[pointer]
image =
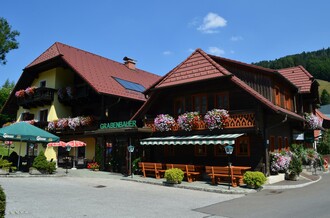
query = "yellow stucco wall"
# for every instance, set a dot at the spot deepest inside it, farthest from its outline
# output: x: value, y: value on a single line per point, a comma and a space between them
x: 55, y: 78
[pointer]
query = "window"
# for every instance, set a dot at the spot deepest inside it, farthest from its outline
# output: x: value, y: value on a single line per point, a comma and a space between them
x: 242, y: 146
x: 286, y: 143
x: 43, y: 115
x: 200, y: 150
x: 219, y: 150
x: 200, y: 103
x: 222, y: 100
x: 32, y: 149
x: 179, y: 106
x: 27, y: 116
x: 130, y: 85
x: 287, y: 101
x: 279, y: 143
x: 277, y: 96
x: 272, y: 144
x: 81, y: 151
x: 168, y: 150
x: 43, y: 83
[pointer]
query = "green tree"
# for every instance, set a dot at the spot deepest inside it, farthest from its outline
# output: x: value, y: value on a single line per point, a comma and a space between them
x: 323, y: 147
x: 5, y: 91
x: 325, y: 97
x: 7, y: 39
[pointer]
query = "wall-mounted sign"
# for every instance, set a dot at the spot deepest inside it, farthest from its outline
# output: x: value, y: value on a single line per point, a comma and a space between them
x: 120, y: 124
x: 309, y: 136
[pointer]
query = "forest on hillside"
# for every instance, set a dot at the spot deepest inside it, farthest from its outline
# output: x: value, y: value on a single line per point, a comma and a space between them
x: 316, y: 63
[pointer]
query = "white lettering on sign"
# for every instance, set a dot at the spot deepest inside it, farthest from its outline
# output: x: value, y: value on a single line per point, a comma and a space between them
x: 5, y: 135
x: 39, y: 138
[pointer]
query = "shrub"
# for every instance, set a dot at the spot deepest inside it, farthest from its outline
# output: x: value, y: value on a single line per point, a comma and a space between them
x: 298, y: 149
x: 174, y: 175
x: 41, y: 163
x: 254, y: 179
x: 6, y: 165
x: 295, y: 167
x: 2, y: 203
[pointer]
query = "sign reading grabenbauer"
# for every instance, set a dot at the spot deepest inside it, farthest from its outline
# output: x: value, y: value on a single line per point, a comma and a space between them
x: 120, y: 124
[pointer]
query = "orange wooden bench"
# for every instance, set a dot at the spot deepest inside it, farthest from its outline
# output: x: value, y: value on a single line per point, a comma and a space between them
x: 234, y: 174
x: 155, y: 168
x: 189, y: 170
x: 217, y: 172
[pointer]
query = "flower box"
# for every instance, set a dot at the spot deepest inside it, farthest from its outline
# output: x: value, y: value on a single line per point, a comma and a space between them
x: 216, y: 119
x: 164, y: 122
x: 189, y: 121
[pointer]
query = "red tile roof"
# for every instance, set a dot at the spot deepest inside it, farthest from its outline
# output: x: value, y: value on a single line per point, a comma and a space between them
x: 99, y: 71
x: 300, y: 77
x: 200, y: 66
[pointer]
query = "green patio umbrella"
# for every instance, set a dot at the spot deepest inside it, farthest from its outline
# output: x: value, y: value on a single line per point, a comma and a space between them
x: 24, y: 132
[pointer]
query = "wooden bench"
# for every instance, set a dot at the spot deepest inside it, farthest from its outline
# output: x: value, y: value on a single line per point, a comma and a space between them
x: 217, y: 172
x: 189, y: 170
x: 155, y: 168
x: 234, y: 174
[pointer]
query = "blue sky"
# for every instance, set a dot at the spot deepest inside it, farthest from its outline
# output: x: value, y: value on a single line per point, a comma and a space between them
x: 161, y: 34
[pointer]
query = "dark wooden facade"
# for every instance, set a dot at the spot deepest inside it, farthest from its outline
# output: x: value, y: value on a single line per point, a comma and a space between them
x: 262, y: 104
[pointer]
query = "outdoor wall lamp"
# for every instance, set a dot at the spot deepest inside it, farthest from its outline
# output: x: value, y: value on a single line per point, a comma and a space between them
x: 229, y: 150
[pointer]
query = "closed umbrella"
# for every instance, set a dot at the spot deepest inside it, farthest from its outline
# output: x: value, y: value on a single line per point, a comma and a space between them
x: 57, y: 144
x: 74, y: 144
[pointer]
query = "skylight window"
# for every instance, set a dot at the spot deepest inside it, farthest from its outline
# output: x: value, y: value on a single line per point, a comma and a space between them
x: 130, y: 85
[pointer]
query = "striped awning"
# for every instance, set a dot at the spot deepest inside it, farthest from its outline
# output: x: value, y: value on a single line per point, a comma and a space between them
x: 192, y: 140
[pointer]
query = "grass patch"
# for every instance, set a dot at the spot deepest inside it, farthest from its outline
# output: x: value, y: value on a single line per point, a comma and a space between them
x: 323, y: 85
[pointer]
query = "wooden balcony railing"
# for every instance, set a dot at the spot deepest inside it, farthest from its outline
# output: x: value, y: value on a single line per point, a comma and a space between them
x: 42, y: 96
x: 78, y: 95
x: 236, y: 120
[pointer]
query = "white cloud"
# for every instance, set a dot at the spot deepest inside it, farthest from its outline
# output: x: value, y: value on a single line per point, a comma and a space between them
x: 190, y: 50
x: 215, y: 51
x: 211, y: 22
x: 167, y: 52
x: 236, y: 38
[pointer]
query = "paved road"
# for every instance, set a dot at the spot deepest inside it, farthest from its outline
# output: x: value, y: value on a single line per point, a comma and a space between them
x: 307, y: 202
x: 64, y: 197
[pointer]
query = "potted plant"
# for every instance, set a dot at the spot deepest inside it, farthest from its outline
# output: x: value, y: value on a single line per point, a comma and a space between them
x: 189, y: 120
x: 279, y: 162
x: 216, y: 118
x: 164, y: 122
x: 174, y: 176
x: 295, y: 168
x: 254, y: 179
x: 93, y: 166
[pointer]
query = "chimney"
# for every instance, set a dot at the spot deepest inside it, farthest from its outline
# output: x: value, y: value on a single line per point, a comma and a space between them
x: 129, y: 62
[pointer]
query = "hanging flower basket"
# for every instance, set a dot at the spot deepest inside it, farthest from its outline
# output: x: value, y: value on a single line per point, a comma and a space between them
x: 164, y: 122
x: 188, y: 121
x: 216, y: 118
x: 312, y: 121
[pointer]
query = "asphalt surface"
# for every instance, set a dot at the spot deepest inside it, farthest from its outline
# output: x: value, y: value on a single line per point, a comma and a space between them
x: 84, y: 193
